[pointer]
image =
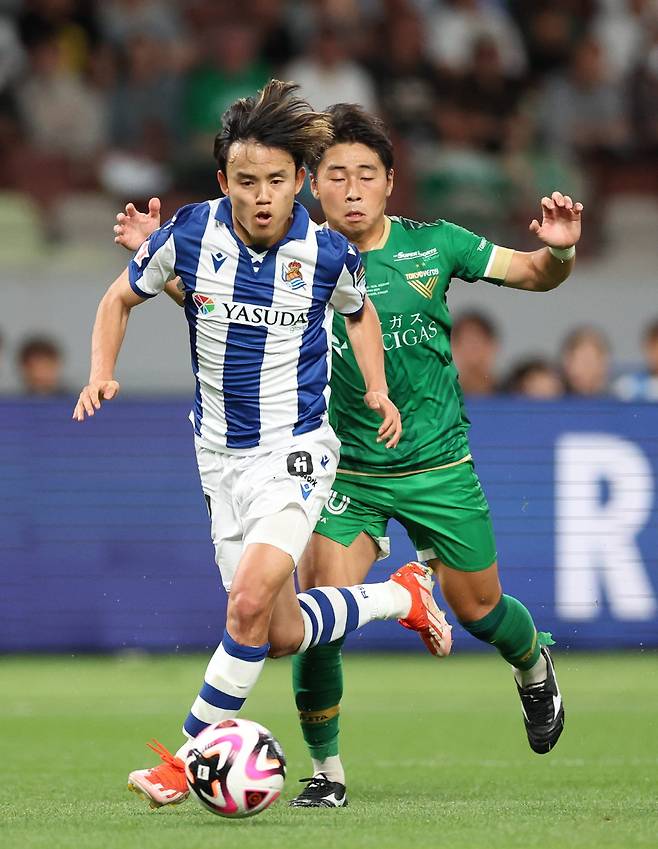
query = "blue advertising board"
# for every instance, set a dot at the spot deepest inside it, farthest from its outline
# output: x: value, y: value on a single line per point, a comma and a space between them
x: 104, y: 537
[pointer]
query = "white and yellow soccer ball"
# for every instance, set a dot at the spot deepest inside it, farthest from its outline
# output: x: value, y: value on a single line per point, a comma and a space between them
x: 235, y: 768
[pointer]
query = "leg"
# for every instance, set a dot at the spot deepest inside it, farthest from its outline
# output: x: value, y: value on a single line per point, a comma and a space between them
x: 502, y: 621
x: 448, y: 518
x: 318, y: 673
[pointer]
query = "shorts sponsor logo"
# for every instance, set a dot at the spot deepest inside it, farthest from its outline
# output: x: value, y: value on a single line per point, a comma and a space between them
x: 337, y: 503
x: 300, y: 463
x: 306, y: 488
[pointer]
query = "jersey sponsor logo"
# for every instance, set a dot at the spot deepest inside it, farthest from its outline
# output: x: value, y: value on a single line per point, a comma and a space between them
x: 218, y: 260
x: 402, y: 256
x: 249, y: 314
x: 410, y: 336
x: 292, y: 275
x: 482, y: 245
x: 423, y: 281
x: 142, y: 253
x: 337, y: 503
x: 205, y: 305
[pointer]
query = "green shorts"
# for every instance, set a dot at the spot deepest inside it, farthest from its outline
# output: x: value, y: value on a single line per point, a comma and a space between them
x: 444, y: 511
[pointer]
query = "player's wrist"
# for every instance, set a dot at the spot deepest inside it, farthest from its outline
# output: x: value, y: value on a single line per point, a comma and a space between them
x: 563, y: 254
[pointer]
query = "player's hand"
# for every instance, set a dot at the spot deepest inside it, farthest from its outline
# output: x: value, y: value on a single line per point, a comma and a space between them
x: 133, y: 227
x: 560, y: 226
x: 91, y: 397
x: 391, y: 426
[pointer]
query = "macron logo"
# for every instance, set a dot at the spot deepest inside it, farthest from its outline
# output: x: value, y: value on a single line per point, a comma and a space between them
x: 218, y: 260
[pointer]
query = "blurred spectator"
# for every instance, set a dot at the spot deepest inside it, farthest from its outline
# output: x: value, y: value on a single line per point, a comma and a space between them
x: 642, y: 385
x: 406, y: 79
x: 644, y: 95
x: 456, y: 26
x: 327, y: 72
x: 549, y: 34
x: 230, y: 67
x: 61, y: 113
x: 71, y: 23
x: 582, y: 110
x: 145, y: 106
x: 585, y: 357
x: 621, y: 29
x: 535, y: 377
x: 490, y: 95
x: 40, y: 361
x: 474, y: 341
x: 123, y: 20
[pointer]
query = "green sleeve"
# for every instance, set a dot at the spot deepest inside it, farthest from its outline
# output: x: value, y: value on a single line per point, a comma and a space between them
x: 470, y: 254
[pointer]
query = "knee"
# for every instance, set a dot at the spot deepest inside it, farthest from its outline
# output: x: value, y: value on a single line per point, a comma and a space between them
x: 245, y: 608
x: 473, y: 608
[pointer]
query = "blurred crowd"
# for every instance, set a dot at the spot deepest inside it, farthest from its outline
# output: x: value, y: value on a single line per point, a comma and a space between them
x: 582, y: 367
x: 492, y: 103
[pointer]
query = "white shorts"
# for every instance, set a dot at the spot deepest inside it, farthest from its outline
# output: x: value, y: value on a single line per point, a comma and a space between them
x: 273, y: 497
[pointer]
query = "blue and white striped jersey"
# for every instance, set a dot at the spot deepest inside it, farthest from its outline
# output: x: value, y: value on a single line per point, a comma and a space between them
x: 260, y: 324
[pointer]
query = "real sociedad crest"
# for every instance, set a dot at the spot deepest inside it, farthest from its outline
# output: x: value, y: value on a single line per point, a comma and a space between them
x: 292, y: 275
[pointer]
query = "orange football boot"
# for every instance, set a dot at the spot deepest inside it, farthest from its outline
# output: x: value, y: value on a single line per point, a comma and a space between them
x: 160, y: 785
x: 425, y: 616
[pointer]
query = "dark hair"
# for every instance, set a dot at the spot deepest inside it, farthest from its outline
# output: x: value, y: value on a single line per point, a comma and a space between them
x: 276, y: 117
x: 479, y: 319
x: 38, y: 346
x: 525, y: 369
x: 351, y: 124
x: 651, y: 332
x: 582, y: 334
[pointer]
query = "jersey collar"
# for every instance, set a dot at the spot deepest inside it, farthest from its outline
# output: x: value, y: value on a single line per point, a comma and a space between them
x: 297, y: 229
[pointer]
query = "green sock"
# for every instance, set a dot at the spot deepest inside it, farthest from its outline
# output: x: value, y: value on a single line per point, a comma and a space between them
x: 317, y: 679
x: 509, y: 627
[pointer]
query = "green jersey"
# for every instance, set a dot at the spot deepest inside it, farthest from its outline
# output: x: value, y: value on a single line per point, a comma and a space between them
x: 407, y: 280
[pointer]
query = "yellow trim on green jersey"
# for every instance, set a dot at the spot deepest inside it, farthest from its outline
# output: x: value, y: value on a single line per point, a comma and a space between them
x: 404, y: 474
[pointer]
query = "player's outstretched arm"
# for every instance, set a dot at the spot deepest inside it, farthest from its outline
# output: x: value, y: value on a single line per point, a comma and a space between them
x: 365, y: 336
x: 543, y: 270
x: 109, y: 329
x: 133, y: 227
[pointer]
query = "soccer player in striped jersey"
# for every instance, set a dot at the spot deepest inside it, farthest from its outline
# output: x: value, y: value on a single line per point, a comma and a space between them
x: 261, y: 283
x: 428, y: 482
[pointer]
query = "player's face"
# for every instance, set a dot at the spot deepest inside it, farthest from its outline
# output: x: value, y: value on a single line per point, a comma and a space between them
x: 262, y: 183
x: 353, y: 186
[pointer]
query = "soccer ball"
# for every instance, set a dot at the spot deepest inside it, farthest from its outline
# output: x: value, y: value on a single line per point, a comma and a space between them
x: 235, y: 768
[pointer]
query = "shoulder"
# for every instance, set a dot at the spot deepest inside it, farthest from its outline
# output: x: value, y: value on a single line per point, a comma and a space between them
x: 190, y: 214
x: 333, y: 245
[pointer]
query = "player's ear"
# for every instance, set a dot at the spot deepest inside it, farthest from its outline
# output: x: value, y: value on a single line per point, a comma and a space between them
x: 314, y: 186
x: 300, y: 176
x: 223, y: 182
x: 390, y: 178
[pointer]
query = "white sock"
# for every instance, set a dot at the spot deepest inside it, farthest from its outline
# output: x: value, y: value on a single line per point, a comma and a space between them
x: 331, y: 612
x: 331, y: 767
x: 231, y: 674
x: 535, y: 675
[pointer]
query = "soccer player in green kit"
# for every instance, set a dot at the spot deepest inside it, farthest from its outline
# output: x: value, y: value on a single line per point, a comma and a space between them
x: 427, y: 482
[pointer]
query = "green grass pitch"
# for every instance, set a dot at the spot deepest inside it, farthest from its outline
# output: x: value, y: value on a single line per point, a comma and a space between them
x: 435, y: 751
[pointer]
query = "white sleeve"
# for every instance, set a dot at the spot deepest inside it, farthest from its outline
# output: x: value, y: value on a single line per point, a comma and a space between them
x: 153, y: 264
x: 350, y: 290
